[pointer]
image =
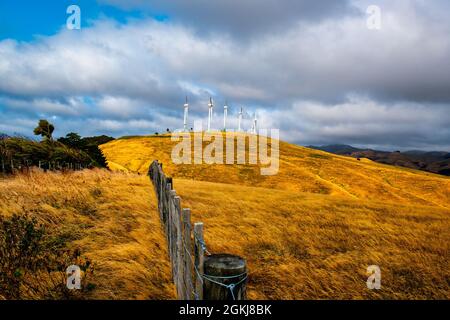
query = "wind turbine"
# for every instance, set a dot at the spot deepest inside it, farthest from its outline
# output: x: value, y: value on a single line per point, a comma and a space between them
x: 254, y: 128
x: 210, y: 113
x: 225, y: 115
x: 240, y: 119
x: 186, y: 111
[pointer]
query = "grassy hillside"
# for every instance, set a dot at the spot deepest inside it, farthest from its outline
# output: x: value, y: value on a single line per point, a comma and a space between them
x: 110, y: 217
x: 301, y: 170
x: 313, y: 246
x: 311, y: 231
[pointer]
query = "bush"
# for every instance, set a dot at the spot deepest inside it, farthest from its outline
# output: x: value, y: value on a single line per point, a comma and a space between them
x: 89, y: 145
x: 25, y: 152
x: 32, y: 266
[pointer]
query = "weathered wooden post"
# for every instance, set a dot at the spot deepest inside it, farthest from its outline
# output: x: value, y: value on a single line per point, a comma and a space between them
x: 170, y: 229
x: 225, y: 277
x: 214, y: 277
x: 166, y: 211
x: 199, y: 253
x: 187, y: 253
x: 178, y: 246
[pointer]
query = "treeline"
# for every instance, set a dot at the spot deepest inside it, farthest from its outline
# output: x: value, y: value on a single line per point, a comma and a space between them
x: 69, y: 152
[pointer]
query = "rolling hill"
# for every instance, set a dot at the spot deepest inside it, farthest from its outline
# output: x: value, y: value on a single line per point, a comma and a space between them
x: 433, y: 161
x: 301, y: 170
x: 310, y: 231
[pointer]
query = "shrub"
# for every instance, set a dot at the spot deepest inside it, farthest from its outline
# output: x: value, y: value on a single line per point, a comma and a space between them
x: 32, y: 266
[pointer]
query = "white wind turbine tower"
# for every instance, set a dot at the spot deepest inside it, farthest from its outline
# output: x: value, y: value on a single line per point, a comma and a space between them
x: 225, y: 115
x: 240, y: 119
x: 186, y: 111
x: 255, y: 121
x: 210, y: 113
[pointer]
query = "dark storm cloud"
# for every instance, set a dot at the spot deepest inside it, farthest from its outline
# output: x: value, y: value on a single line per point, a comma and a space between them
x: 360, y: 121
x: 241, y: 18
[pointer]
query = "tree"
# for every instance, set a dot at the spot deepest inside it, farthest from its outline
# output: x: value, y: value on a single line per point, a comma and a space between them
x: 72, y: 140
x: 44, y: 129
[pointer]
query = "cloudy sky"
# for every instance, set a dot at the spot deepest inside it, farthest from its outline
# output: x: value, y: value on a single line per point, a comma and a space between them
x: 313, y: 69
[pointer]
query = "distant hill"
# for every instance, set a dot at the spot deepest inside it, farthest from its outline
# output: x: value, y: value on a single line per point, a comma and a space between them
x: 3, y: 136
x: 431, y: 161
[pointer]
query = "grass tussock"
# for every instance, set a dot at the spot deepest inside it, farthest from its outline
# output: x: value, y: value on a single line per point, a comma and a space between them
x: 110, y: 217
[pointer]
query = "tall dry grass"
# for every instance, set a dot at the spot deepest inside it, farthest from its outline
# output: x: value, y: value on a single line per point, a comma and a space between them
x: 306, y: 246
x: 111, y: 217
x: 311, y: 231
x: 308, y: 233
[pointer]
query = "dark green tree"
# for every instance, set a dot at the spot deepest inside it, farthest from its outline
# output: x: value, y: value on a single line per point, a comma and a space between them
x: 72, y: 140
x: 44, y: 129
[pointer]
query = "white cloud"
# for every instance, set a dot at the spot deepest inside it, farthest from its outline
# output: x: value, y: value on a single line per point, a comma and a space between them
x: 133, y: 78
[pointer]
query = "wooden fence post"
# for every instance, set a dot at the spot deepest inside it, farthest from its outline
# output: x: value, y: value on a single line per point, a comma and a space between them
x: 199, y: 252
x: 166, y: 209
x: 178, y: 246
x: 225, y: 277
x: 168, y: 187
x: 216, y: 277
x: 171, y: 227
x: 187, y: 254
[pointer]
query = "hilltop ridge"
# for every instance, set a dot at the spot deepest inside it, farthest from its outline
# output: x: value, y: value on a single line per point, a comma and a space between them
x: 310, y: 231
x: 301, y: 170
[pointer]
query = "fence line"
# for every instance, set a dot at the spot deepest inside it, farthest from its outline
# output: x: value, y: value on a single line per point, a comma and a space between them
x: 197, y: 274
x: 8, y: 166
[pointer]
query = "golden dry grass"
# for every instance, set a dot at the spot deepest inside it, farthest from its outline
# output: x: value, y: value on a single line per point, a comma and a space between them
x: 311, y: 231
x: 312, y: 246
x: 301, y: 170
x: 111, y: 217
